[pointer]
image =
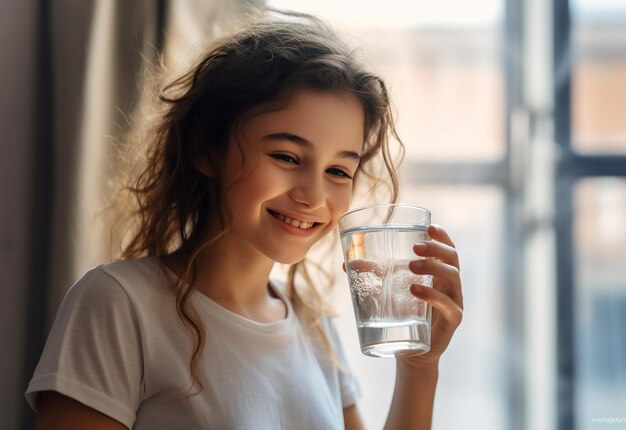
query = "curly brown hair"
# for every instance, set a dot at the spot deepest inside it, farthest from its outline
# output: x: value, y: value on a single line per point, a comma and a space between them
x: 166, y: 201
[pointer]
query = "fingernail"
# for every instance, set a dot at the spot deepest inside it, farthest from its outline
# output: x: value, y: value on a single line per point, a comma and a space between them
x: 416, y: 264
x: 419, y: 247
x: 417, y: 288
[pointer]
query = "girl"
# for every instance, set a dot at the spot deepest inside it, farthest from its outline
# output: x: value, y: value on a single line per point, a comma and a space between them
x: 254, y: 158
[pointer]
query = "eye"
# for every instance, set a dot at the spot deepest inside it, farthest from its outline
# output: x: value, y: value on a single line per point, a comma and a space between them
x: 339, y: 173
x: 284, y: 157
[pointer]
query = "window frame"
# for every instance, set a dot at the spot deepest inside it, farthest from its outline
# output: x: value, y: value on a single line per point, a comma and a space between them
x: 571, y: 167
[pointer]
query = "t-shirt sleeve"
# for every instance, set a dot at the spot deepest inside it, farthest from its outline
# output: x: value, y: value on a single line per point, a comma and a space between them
x: 93, y: 353
x: 348, y: 383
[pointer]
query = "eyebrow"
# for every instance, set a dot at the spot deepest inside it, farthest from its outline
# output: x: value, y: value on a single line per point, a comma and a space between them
x: 301, y: 141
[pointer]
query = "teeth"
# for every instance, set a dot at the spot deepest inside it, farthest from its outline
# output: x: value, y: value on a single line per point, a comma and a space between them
x: 294, y: 222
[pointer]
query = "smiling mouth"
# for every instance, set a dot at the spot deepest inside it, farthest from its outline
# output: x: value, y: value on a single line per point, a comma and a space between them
x: 302, y: 225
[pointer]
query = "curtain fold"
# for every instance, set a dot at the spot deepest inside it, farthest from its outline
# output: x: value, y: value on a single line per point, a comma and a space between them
x: 82, y: 63
x: 88, y: 55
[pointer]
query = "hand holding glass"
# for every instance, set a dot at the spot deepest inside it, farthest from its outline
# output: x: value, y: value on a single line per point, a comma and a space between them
x: 377, y: 244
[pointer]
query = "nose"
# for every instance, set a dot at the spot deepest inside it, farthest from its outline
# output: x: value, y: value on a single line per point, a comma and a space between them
x: 309, y: 191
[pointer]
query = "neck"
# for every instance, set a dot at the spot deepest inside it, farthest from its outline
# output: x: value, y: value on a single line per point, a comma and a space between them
x: 229, y: 274
x: 233, y: 276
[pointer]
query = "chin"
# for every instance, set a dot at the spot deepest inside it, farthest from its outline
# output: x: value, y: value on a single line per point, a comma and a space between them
x: 289, y: 259
x: 283, y: 256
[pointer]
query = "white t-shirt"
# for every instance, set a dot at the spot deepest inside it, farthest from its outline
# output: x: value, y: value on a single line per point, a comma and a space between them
x: 118, y: 346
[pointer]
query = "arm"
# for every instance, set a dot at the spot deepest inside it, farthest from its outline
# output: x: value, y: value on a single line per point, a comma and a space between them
x: 352, y: 418
x: 413, y: 398
x: 93, y: 354
x: 416, y: 376
x: 411, y: 406
x: 56, y: 412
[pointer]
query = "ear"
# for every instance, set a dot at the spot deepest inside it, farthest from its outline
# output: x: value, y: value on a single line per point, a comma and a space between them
x: 202, y: 163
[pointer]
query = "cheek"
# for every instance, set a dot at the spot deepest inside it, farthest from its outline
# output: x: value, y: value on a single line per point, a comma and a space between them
x: 253, y: 187
x: 264, y: 182
x: 340, y: 201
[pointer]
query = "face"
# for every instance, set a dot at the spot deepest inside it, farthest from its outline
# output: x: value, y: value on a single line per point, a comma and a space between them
x: 296, y: 177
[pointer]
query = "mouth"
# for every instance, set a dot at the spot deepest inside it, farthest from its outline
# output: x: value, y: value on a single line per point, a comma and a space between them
x: 302, y: 225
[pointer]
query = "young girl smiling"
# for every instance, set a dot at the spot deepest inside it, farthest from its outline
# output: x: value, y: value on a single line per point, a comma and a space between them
x: 255, y: 156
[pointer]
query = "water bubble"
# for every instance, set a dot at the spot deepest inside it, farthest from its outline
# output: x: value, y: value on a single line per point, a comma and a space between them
x: 365, y: 285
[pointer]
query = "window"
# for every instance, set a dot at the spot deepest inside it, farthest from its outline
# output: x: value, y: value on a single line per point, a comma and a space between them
x: 514, y: 119
x: 600, y: 298
x: 591, y: 132
x: 445, y: 67
x: 598, y: 70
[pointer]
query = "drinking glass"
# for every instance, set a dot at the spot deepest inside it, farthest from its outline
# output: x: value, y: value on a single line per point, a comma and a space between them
x: 377, y: 243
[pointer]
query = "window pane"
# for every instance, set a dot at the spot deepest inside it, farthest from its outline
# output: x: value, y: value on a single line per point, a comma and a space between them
x: 472, y: 382
x: 600, y: 282
x: 442, y: 63
x: 477, y: 396
x: 447, y: 88
x: 598, y: 76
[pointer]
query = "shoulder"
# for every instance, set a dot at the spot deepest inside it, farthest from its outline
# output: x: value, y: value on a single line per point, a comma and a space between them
x: 135, y: 272
x: 132, y: 280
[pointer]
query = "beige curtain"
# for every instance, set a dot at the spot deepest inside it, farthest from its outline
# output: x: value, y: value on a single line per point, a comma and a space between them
x: 69, y: 79
x: 123, y: 41
x: 122, y: 44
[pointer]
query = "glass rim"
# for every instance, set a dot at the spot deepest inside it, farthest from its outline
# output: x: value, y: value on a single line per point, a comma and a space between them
x: 383, y: 205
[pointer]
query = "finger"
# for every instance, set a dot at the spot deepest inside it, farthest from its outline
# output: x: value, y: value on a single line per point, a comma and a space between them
x: 449, y: 274
x: 439, y: 233
x: 448, y: 308
x: 439, y: 269
x: 439, y: 250
x: 363, y: 265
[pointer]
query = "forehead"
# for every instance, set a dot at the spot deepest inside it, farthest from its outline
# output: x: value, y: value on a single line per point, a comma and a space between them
x: 333, y: 120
